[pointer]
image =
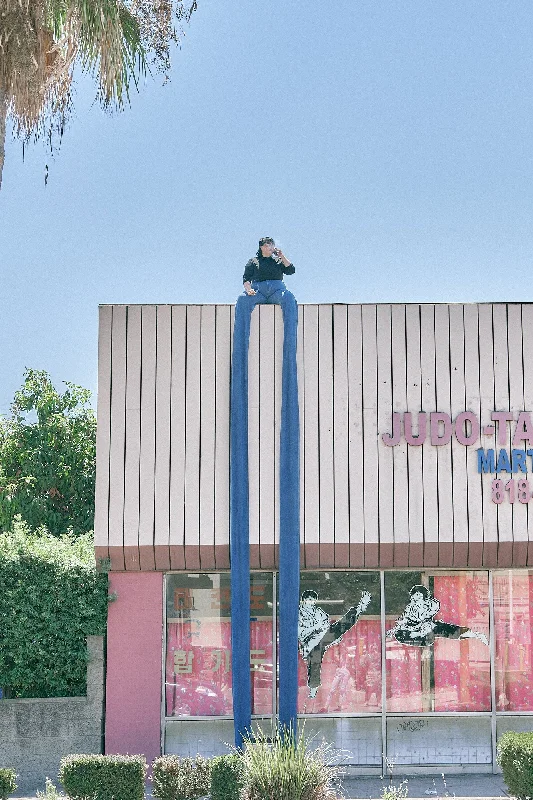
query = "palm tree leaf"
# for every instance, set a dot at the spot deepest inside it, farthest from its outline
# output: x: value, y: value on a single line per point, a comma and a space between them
x: 110, y: 46
x: 41, y: 41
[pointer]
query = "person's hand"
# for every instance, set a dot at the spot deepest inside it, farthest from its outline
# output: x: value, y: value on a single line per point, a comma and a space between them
x: 248, y: 288
x: 283, y: 258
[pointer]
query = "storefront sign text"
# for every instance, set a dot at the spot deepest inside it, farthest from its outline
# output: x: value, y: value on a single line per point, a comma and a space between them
x: 512, y: 431
x: 439, y: 428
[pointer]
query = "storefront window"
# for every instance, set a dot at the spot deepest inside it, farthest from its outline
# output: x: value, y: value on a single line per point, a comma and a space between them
x: 513, y: 618
x: 438, y: 654
x: 261, y: 649
x: 438, y: 660
x: 198, y: 652
x: 437, y: 643
x: 339, y: 637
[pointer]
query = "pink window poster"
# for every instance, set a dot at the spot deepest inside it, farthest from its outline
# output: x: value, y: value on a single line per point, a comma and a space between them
x: 462, y: 665
x: 198, y: 668
x: 404, y: 677
x: 513, y: 618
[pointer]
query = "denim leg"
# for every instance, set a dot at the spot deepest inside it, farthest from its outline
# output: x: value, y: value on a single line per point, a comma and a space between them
x: 289, y: 507
x: 239, y: 520
x: 289, y: 514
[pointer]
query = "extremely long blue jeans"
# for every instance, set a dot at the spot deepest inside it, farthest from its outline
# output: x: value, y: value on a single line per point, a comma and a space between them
x: 269, y: 292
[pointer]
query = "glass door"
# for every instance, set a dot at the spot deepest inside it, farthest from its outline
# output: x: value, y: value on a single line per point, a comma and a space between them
x: 340, y: 662
x: 438, y: 678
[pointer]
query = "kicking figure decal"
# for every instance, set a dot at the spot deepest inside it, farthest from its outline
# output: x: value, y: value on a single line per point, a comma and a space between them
x: 418, y: 627
x: 316, y: 633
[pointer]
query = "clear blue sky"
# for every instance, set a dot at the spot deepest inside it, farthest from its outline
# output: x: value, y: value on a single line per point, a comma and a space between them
x: 386, y: 145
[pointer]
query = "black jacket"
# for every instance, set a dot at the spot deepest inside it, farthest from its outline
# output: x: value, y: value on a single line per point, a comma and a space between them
x: 266, y: 269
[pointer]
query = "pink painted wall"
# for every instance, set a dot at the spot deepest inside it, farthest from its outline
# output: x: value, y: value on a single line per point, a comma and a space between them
x: 134, y: 652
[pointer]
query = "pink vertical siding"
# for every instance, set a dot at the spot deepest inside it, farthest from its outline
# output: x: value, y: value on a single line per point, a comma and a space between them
x: 162, y: 493
x: 134, y: 646
x: 309, y: 503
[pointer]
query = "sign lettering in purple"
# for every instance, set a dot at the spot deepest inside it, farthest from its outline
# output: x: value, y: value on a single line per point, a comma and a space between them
x: 438, y: 428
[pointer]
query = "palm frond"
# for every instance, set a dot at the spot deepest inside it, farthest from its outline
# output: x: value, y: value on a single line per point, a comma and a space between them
x: 162, y: 24
x: 27, y: 60
x: 110, y: 46
x: 41, y: 41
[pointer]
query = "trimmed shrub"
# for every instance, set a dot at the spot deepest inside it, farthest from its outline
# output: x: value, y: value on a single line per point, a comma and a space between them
x: 52, y: 598
x: 288, y: 768
x: 176, y: 778
x: 515, y: 757
x: 8, y: 782
x: 97, y: 777
x: 226, y: 777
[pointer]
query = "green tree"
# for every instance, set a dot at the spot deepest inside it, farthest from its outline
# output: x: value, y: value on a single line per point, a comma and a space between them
x: 42, y: 42
x: 48, y: 457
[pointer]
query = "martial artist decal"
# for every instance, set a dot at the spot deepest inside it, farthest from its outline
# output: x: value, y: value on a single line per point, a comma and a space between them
x: 418, y: 627
x: 316, y: 632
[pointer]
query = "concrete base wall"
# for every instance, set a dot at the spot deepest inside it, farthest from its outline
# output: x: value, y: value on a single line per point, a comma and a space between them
x: 36, y: 733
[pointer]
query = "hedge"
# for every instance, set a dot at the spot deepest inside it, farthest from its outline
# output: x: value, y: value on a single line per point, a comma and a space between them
x: 8, y: 782
x: 515, y: 757
x: 176, y: 778
x: 103, y: 777
x: 52, y: 598
x: 226, y: 777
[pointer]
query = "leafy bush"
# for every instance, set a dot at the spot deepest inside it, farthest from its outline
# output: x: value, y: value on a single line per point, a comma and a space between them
x: 52, y: 598
x: 176, y: 778
x: 96, y: 777
x: 288, y: 768
x: 226, y: 777
x: 515, y: 757
x: 8, y: 782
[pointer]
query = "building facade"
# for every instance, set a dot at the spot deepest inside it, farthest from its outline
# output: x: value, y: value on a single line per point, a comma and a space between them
x: 416, y: 580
